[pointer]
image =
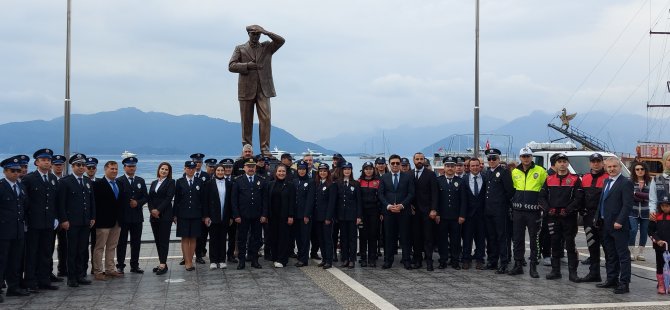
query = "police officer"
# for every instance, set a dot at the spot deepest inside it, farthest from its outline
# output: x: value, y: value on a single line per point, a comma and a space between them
x: 227, y: 164
x: 91, y: 169
x: 287, y: 160
x: 210, y: 166
x: 41, y: 220
x: 189, y: 204
x: 238, y: 166
x: 450, y: 214
x: 380, y: 166
x: 131, y: 216
x: 12, y: 198
x: 201, y: 241
x: 499, y: 193
x: 76, y: 212
x: 561, y: 197
x: 58, y: 169
x: 460, y: 167
x: 404, y: 165
x: 304, y: 201
x: 250, y: 209
x: 528, y: 179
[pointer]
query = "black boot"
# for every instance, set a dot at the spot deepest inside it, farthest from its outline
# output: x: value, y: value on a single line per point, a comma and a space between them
x: 591, y: 277
x: 572, y: 268
x: 517, y: 269
x: 533, y: 271
x: 555, y: 269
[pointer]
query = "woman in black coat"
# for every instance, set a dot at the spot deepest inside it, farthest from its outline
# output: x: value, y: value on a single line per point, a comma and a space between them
x: 189, y: 202
x: 218, y: 216
x: 281, y: 210
x: 161, y: 193
x: 325, y: 194
x: 348, y: 214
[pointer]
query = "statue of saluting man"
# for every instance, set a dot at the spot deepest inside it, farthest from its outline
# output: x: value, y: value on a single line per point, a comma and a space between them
x: 253, y: 61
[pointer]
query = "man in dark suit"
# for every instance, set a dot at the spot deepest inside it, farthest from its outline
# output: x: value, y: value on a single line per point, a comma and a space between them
x: 253, y: 62
x: 396, y: 191
x: 136, y: 195
x: 76, y: 213
x: 425, y: 209
x: 250, y: 209
x: 450, y: 214
x: 474, y: 228
x: 499, y: 194
x: 228, y: 170
x: 613, y: 210
x: 40, y: 218
x: 110, y: 199
x: 12, y: 225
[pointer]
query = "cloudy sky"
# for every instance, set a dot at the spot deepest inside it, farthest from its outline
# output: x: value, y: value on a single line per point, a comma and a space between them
x: 346, y: 65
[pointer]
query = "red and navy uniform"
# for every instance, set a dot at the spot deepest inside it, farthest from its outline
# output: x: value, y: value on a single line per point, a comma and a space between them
x: 592, y: 185
x: 560, y: 197
x: 660, y: 230
x: 369, y: 228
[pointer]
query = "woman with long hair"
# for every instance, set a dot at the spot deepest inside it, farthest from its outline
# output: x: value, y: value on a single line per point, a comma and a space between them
x: 161, y: 193
x: 348, y: 214
x: 281, y: 210
x: 325, y: 194
x: 639, y: 213
x: 370, y: 217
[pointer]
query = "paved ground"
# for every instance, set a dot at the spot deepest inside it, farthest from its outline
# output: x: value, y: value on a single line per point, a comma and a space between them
x: 359, y: 288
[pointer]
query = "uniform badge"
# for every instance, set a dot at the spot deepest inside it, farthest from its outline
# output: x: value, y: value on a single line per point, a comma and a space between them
x: 568, y: 181
x: 88, y: 185
x: 139, y: 185
x: 498, y: 174
x: 535, y: 175
x: 53, y: 182
x: 306, y: 184
x: 455, y: 184
x: 204, y: 179
x: 352, y: 188
x: 324, y: 188
x: 258, y: 183
x: 197, y: 187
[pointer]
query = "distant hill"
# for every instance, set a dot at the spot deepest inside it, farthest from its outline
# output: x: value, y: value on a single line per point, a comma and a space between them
x: 142, y: 133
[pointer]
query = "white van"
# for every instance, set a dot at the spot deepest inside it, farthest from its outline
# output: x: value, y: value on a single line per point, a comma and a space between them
x: 579, y: 160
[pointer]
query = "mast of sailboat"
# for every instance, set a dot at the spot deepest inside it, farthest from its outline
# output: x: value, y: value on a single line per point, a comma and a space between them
x: 476, y: 130
x: 66, y: 135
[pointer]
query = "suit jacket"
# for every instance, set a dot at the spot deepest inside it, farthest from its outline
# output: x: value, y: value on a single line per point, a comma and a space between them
x: 189, y: 201
x: 40, y: 202
x: 425, y: 191
x: 213, y: 202
x: 108, y: 207
x: 287, y: 208
x: 137, y: 191
x: 499, y: 191
x: 403, y: 194
x: 450, y: 203
x: 12, y: 212
x: 616, y: 203
x: 304, y: 197
x: 161, y: 200
x: 349, y: 203
x: 249, y: 80
x: 474, y: 204
x: 249, y: 201
x: 325, y: 198
x: 75, y: 203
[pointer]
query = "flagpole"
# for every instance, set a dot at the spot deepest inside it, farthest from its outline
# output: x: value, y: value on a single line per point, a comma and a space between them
x: 476, y: 129
x: 66, y: 129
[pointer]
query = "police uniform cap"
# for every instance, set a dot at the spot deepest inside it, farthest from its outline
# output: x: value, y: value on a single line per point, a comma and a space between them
x: 260, y: 157
x: 525, y: 151
x: 347, y: 165
x: 492, y: 152
x: 197, y: 157
x: 324, y: 166
x: 426, y: 162
x: 43, y: 153
x: 559, y: 156
x: 58, y: 159
x: 338, y: 156
x: 449, y: 160
x: 226, y: 162
x: 23, y: 159
x: 367, y: 164
x: 11, y: 163
x: 130, y: 161
x: 665, y: 199
x: 460, y: 160
x: 595, y: 157
x: 211, y: 162
x: 301, y: 165
x: 380, y: 160
x: 249, y: 162
x: 189, y: 164
x: 287, y: 156
x: 77, y: 159
x: 404, y: 161
x: 91, y: 162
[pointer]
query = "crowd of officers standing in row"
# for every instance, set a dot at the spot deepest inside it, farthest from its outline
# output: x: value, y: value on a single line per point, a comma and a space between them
x: 300, y: 208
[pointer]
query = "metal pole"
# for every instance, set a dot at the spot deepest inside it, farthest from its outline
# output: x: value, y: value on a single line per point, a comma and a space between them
x: 66, y: 135
x: 476, y: 135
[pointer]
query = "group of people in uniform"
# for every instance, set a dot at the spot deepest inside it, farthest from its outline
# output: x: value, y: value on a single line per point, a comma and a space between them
x: 306, y: 210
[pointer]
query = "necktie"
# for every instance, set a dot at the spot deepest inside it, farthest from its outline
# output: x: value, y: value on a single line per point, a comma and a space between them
x: 16, y: 190
x: 602, y: 198
x: 476, y: 186
x: 251, y: 180
x: 417, y: 174
x: 115, y: 189
x: 81, y: 181
x: 190, y: 183
x: 395, y: 181
x: 132, y: 180
x: 448, y: 181
x: 45, y: 178
x: 608, y: 187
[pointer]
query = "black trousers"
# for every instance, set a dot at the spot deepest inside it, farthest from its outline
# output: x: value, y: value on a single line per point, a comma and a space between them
x: 659, y: 259
x: 474, y: 230
x: 314, y: 238
x: 348, y: 240
x: 422, y: 236
x: 201, y: 241
x: 523, y: 220
x: 497, y: 239
x: 92, y: 239
x: 77, y: 251
x: 232, y: 238
x: 368, y: 234
x: 161, y: 231
x: 10, y: 262
x: 396, y: 224
x: 39, y: 250
x: 217, y: 242
x: 135, y: 231
x: 335, y: 237
x: 563, y: 231
x: 593, y: 241
x: 617, y: 254
x: 278, y: 237
x: 248, y: 233
x: 449, y: 240
x: 544, y: 239
x: 324, y: 233
x: 304, y: 234
x: 61, y: 235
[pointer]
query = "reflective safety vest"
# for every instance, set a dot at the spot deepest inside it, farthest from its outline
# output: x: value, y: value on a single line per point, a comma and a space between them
x: 528, y: 185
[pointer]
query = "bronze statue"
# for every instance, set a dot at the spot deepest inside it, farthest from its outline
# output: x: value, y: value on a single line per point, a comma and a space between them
x: 253, y: 61
x: 566, y: 118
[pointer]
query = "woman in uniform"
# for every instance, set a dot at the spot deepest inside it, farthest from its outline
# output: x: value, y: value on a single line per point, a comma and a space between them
x: 188, y: 211
x: 370, y: 217
x: 161, y: 193
x: 281, y: 210
x: 348, y: 214
x: 325, y: 194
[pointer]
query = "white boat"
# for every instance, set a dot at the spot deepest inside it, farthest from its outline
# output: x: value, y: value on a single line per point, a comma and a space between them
x: 127, y: 154
x: 318, y: 156
x: 277, y: 153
